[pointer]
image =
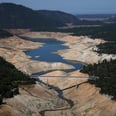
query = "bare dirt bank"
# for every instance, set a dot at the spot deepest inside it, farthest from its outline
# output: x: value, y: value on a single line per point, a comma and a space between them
x: 81, y: 48
x: 35, y: 100
x: 12, y: 50
x: 38, y: 99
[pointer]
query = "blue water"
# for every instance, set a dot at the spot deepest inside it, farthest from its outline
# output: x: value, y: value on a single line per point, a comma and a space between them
x: 46, y: 52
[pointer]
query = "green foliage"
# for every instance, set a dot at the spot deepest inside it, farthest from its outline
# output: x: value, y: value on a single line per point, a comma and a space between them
x: 108, y: 48
x: 10, y: 79
x: 107, y: 32
x: 106, y: 71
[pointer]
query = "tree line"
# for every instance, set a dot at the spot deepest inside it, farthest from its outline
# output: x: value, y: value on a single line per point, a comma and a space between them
x: 106, y: 71
x: 10, y: 79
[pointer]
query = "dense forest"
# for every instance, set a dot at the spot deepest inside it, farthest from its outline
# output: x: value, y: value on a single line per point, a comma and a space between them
x: 106, y: 71
x: 106, y: 32
x: 108, y: 48
x: 4, y: 34
x: 10, y: 79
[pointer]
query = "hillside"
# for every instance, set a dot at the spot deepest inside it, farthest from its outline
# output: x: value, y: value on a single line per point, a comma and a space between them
x: 10, y: 79
x: 107, y: 76
x: 59, y: 16
x: 18, y: 16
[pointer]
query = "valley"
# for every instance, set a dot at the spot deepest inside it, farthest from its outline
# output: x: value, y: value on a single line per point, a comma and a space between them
x: 53, y: 63
x: 52, y: 95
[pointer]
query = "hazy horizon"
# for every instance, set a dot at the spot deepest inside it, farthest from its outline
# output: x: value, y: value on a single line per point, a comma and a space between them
x: 74, y: 7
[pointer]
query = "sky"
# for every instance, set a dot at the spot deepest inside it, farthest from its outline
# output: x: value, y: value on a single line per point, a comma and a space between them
x: 71, y: 6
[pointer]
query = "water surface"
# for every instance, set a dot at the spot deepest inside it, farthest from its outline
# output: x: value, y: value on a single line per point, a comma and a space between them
x: 46, y: 54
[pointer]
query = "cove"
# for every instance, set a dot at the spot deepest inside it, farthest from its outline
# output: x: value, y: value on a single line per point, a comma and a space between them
x: 46, y: 54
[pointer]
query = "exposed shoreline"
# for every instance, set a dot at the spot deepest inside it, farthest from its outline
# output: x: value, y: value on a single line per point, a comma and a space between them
x: 12, y: 49
x: 81, y: 48
x: 42, y: 99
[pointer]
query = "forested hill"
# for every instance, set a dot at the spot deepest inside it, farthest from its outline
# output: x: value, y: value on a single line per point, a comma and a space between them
x: 10, y: 79
x: 59, y: 16
x: 18, y: 16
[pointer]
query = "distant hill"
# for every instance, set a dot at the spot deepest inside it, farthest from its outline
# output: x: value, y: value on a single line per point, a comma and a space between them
x: 18, y: 16
x: 59, y: 16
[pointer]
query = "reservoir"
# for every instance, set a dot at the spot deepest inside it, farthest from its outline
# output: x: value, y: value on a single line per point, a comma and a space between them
x: 46, y: 53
